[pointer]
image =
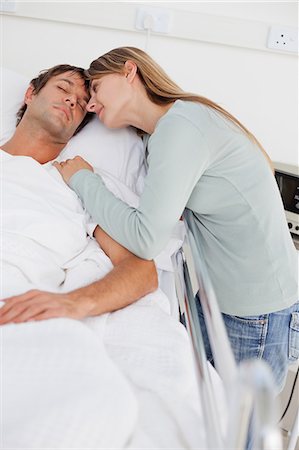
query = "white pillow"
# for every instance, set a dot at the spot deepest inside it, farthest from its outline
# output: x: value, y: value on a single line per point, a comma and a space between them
x: 13, y: 87
x: 119, y: 152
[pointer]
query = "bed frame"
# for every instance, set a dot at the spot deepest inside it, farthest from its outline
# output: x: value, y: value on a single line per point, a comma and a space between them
x: 249, y: 388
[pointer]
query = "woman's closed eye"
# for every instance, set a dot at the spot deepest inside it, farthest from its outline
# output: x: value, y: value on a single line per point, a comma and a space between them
x: 94, y: 87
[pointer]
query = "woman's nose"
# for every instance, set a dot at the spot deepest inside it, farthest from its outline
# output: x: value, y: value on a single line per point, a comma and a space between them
x: 90, y: 107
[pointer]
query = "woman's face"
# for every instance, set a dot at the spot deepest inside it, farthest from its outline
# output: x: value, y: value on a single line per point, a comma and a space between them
x: 110, y: 97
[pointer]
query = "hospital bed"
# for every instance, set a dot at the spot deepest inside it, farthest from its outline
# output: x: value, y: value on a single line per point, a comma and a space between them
x: 134, y: 378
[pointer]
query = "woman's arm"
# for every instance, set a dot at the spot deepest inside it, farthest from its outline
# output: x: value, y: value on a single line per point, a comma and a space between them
x: 178, y: 155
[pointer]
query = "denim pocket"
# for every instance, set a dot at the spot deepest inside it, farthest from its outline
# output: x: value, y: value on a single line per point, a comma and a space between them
x: 247, y: 335
x: 294, y: 337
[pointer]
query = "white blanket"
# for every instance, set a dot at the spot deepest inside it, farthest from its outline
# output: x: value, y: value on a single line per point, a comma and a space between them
x: 122, y: 380
x: 43, y: 228
x: 61, y: 389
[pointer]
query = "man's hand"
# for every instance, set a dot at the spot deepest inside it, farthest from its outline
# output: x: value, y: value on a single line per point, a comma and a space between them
x: 130, y: 279
x: 39, y: 305
x: 69, y: 167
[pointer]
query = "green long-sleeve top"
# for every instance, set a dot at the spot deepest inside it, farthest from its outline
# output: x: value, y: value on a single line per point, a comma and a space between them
x: 201, y: 161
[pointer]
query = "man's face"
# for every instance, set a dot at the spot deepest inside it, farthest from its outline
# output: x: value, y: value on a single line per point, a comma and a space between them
x: 59, y: 107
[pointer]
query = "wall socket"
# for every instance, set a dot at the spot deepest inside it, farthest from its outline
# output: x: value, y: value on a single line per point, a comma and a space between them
x: 154, y: 19
x: 283, y: 38
x: 7, y: 6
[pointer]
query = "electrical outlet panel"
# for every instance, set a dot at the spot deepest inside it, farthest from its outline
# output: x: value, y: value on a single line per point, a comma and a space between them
x: 283, y: 38
x: 154, y: 19
x: 7, y: 6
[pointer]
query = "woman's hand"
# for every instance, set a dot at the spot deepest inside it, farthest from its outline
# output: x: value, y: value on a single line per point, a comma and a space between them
x: 69, y: 167
x: 40, y: 305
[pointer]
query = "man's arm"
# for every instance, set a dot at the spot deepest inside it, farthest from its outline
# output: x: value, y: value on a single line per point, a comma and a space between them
x: 130, y: 279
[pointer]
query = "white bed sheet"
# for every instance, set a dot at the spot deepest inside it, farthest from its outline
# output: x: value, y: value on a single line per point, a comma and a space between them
x: 122, y: 380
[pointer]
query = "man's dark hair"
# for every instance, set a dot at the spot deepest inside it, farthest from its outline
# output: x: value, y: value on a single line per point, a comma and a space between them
x: 44, y: 76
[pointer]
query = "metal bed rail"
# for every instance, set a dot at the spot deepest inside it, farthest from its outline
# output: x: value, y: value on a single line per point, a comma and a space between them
x: 249, y: 387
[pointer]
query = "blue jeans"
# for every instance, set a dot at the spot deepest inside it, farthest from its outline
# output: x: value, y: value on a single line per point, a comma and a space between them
x: 273, y: 337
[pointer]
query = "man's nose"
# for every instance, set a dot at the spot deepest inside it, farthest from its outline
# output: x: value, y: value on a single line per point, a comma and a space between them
x: 71, y: 100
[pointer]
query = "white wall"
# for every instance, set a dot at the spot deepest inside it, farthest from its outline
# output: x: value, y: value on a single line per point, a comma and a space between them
x: 217, y: 49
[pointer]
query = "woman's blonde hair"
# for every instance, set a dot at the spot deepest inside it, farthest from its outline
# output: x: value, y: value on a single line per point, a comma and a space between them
x: 159, y: 87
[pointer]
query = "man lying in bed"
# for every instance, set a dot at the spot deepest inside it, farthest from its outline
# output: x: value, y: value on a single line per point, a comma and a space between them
x: 44, y: 227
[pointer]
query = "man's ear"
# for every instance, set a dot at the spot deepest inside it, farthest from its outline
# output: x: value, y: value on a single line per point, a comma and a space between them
x: 29, y: 95
x: 130, y: 70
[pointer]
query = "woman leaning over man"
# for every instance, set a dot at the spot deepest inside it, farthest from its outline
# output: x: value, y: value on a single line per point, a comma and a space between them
x: 203, y: 163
